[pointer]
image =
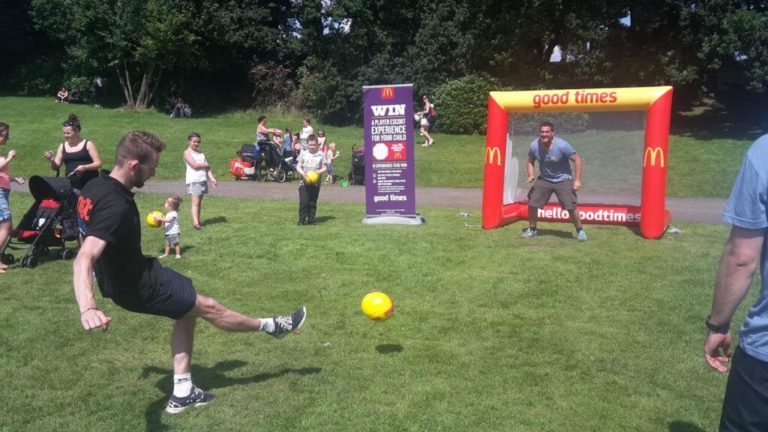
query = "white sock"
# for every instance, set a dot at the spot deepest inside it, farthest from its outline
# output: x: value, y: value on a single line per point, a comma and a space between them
x: 267, y: 325
x: 182, y: 385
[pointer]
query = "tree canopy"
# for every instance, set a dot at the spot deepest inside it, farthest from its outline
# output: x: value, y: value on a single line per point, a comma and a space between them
x: 316, y: 54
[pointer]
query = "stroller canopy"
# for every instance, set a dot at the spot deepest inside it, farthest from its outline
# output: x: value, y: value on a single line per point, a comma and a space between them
x: 57, y: 188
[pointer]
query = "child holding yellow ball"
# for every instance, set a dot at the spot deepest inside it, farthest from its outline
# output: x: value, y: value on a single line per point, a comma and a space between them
x: 172, y: 228
x: 310, y: 160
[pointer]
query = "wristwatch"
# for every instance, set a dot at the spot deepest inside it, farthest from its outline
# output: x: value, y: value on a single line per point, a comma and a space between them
x: 714, y: 328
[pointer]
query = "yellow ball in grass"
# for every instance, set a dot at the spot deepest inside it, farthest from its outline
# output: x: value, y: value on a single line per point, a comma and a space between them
x: 312, y: 177
x: 377, y: 306
x: 151, y: 219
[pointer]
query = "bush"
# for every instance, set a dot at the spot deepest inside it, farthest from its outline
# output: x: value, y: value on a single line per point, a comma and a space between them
x: 462, y: 104
x: 272, y: 85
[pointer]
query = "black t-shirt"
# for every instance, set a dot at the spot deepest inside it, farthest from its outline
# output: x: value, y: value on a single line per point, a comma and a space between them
x: 106, y: 210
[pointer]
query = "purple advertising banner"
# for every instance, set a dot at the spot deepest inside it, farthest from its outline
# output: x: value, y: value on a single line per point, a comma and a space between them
x: 390, y: 187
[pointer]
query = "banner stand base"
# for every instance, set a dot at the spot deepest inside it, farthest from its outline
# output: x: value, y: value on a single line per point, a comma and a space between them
x: 394, y: 220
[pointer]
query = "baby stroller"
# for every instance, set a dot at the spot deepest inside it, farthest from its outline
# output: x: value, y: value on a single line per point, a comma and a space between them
x: 357, y: 172
x: 244, y: 167
x: 275, y: 165
x: 50, y: 222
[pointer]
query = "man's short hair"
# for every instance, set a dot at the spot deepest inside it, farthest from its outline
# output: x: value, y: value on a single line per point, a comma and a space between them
x: 137, y: 145
x: 312, y: 137
x: 548, y: 124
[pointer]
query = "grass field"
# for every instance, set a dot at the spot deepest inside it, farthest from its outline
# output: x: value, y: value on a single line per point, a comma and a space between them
x: 697, y: 167
x: 491, y: 333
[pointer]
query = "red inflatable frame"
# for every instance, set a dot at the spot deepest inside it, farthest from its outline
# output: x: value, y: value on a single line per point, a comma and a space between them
x: 651, y: 216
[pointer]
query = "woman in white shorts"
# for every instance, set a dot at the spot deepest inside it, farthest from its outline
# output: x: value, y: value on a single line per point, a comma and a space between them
x: 198, y: 175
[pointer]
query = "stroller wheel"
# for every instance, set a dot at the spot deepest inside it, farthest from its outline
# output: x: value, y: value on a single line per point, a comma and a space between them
x: 7, y: 259
x: 281, y: 175
x: 31, y: 262
x: 67, y: 254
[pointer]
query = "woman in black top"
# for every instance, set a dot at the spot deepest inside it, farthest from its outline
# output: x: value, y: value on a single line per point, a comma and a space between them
x: 79, y: 156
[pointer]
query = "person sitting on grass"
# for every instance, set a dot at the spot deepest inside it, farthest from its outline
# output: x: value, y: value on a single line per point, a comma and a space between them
x: 111, y: 250
x: 63, y: 95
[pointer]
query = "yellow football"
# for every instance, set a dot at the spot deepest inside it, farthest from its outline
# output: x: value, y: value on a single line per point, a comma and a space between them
x: 377, y: 306
x: 151, y: 219
x: 312, y: 177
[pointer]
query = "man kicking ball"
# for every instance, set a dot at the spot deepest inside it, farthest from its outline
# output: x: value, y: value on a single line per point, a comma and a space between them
x: 110, y: 225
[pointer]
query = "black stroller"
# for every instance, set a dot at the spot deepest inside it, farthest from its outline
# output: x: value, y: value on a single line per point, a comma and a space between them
x: 50, y: 222
x: 357, y: 172
x: 274, y: 164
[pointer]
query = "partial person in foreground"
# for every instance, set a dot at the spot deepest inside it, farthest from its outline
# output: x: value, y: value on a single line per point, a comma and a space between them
x: 745, y: 405
x: 555, y: 176
x: 110, y: 225
x: 6, y: 224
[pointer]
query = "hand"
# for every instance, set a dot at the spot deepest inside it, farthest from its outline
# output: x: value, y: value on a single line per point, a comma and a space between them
x: 95, y: 318
x: 48, y: 155
x: 19, y: 180
x: 214, y: 183
x: 576, y: 185
x: 11, y: 154
x: 531, y: 179
x: 717, y: 350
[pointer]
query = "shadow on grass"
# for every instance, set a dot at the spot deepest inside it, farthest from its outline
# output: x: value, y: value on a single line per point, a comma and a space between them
x: 389, y: 348
x: 215, y: 220
x: 208, y: 378
x: 681, y: 426
x: 720, y: 124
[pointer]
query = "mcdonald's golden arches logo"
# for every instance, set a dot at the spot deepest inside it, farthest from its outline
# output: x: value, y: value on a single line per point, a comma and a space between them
x: 653, y: 152
x: 491, y: 153
x: 388, y: 93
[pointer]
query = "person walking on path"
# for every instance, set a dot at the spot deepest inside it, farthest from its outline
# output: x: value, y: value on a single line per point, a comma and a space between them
x: 554, y: 156
x: 745, y: 405
x: 110, y: 225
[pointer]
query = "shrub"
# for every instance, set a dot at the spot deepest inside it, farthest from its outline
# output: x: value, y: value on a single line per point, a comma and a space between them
x: 462, y: 104
x: 272, y: 85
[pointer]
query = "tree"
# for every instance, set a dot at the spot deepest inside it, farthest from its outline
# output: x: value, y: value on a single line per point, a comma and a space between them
x: 135, y: 38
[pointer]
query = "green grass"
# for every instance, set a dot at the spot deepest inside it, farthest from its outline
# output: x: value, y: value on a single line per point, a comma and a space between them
x: 697, y: 167
x: 491, y: 333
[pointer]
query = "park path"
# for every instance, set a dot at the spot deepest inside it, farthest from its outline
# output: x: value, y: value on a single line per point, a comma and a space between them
x: 701, y: 210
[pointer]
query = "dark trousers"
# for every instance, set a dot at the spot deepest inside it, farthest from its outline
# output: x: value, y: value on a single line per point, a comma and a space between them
x: 308, y: 195
x: 745, y: 406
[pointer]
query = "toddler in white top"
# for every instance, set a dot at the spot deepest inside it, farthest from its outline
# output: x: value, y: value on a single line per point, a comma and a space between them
x: 171, y: 224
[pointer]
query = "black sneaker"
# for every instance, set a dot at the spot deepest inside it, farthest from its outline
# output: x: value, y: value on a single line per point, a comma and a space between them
x: 196, y: 398
x: 289, y: 323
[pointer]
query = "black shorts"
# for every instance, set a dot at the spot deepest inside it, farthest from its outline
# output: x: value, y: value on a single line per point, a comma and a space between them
x: 745, y: 406
x: 542, y: 191
x: 174, y: 298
